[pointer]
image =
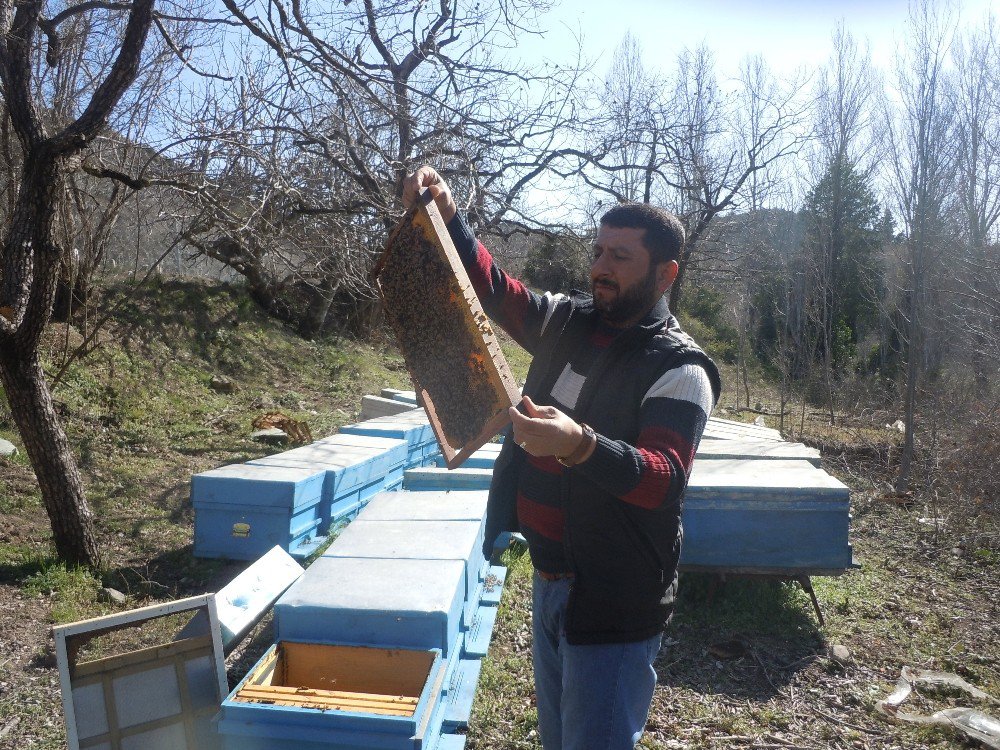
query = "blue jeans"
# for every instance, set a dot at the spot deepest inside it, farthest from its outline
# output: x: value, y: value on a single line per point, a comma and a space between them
x: 590, y: 697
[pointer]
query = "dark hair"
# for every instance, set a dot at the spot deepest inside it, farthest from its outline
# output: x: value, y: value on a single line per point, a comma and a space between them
x: 664, y: 234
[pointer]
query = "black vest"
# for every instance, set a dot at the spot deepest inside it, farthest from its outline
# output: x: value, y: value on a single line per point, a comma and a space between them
x: 624, y: 557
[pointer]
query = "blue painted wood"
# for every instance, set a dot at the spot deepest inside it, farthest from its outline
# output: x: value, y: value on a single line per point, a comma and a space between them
x: 373, y: 602
x: 430, y: 505
x: 480, y: 633
x: 245, y: 484
x: 481, y: 459
x: 458, y: 505
x: 415, y: 430
x: 755, y: 448
x: 353, y: 471
x: 419, y: 540
x: 496, y: 576
x: 462, y: 694
x: 241, y: 511
x: 727, y: 429
x: 242, y: 602
x: 434, y: 478
x: 260, y: 726
x: 409, y: 397
x: 767, y: 515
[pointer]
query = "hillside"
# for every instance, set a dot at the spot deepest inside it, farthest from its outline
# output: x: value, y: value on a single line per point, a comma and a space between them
x: 745, y: 664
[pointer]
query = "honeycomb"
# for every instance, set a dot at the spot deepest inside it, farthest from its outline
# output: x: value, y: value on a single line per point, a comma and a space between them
x: 444, y: 343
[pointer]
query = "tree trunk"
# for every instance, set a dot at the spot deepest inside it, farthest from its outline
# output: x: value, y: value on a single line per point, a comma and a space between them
x: 909, y: 399
x: 33, y: 261
x: 48, y: 449
x: 30, y: 259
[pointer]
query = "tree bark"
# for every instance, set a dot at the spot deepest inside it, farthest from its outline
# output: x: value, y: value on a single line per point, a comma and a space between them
x: 33, y: 262
x: 48, y: 449
x: 30, y: 261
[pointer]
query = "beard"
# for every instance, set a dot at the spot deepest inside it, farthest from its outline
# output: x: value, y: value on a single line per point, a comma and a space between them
x: 629, y: 304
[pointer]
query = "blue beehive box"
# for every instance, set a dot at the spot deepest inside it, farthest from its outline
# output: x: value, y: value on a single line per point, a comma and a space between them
x: 408, y: 397
x: 339, y: 697
x: 415, y: 430
x: 484, y: 458
x: 769, y: 516
x: 445, y: 505
x: 439, y: 505
x: 727, y: 429
x: 369, y: 602
x: 355, y: 470
x: 420, y: 540
x: 757, y: 449
x: 435, y: 478
x: 241, y: 510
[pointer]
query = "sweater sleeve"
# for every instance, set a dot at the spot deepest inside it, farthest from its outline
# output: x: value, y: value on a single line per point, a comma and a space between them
x: 653, y: 473
x: 515, y: 308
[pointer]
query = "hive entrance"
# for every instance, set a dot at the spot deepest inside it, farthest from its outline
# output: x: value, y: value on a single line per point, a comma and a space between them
x: 387, y: 682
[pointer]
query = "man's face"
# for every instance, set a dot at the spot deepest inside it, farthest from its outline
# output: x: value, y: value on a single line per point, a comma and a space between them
x: 625, y: 284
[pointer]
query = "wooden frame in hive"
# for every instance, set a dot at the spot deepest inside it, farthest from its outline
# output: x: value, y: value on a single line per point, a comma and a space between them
x: 453, y: 357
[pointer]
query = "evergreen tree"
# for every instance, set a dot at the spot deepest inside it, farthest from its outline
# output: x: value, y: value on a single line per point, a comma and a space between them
x: 843, y: 234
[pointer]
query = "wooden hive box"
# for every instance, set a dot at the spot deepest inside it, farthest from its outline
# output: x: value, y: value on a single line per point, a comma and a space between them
x: 451, y: 352
x: 321, y: 696
x: 334, y: 677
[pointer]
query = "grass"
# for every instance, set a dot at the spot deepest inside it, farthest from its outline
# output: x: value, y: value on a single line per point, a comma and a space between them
x: 742, y: 662
x: 72, y: 591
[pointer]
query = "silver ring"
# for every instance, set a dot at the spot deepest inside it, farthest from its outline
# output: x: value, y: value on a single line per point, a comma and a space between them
x: 524, y: 445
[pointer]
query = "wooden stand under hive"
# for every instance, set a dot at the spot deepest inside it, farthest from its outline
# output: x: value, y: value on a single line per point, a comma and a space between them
x: 451, y: 352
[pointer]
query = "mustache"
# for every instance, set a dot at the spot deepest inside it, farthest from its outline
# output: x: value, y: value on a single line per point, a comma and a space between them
x: 607, y: 283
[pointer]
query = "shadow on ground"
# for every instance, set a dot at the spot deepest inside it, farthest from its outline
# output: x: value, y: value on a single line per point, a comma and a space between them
x: 744, y: 639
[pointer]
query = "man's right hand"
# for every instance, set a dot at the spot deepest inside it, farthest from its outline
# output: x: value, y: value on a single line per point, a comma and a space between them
x: 427, y: 177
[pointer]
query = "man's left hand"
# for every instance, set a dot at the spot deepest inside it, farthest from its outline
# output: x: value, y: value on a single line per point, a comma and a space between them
x: 544, y: 430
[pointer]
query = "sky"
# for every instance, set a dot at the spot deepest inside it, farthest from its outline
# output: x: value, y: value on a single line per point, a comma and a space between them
x: 788, y: 33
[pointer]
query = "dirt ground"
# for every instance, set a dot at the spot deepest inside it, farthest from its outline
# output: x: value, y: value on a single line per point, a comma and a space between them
x: 745, y: 664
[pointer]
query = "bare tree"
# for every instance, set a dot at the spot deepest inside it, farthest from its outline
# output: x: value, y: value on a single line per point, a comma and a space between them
x: 698, y: 150
x: 305, y: 157
x: 729, y: 160
x: 976, y: 96
x: 921, y: 159
x: 30, y: 257
x: 630, y: 137
x: 840, y: 209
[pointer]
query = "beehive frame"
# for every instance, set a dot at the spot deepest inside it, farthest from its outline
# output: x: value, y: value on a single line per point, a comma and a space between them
x: 186, y: 678
x: 486, y: 354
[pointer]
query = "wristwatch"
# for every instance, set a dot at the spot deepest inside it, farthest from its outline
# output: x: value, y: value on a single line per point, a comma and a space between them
x: 589, y: 437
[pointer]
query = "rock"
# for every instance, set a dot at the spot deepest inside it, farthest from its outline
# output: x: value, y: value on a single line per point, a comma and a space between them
x: 113, y: 596
x: 7, y: 448
x: 840, y: 654
x: 271, y: 436
x: 222, y: 384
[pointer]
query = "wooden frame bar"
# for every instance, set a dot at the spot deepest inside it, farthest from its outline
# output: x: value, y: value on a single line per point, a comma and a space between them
x: 102, y: 673
x: 386, y: 682
x: 486, y: 353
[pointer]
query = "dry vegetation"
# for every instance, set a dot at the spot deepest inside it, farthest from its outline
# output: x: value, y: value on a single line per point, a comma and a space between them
x: 743, y: 666
x: 746, y: 664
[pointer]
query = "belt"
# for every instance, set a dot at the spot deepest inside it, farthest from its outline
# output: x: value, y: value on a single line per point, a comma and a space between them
x: 552, y: 576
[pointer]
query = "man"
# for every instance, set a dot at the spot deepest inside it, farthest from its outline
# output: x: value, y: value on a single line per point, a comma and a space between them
x: 593, y: 472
